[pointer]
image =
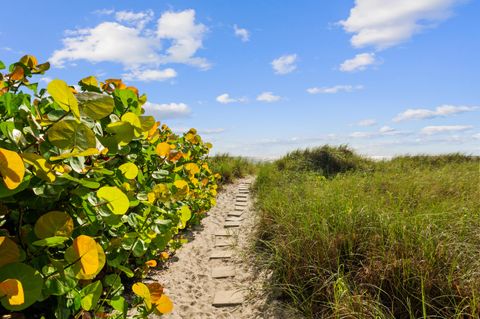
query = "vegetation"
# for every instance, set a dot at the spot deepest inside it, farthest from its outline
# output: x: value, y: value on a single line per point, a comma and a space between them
x: 231, y: 167
x: 92, y: 194
x: 351, y: 238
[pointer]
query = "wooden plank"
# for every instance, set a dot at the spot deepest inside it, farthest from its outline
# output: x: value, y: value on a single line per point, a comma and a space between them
x: 223, y: 272
x: 225, y: 298
x: 233, y: 219
x: 224, y: 241
x: 221, y: 254
x: 235, y: 213
x: 231, y: 224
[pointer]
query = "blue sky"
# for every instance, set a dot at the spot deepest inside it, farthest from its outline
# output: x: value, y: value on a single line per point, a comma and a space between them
x: 261, y: 78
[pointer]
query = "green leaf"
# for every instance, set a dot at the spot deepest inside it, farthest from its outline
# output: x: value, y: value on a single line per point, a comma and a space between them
x: 90, y: 295
x: 118, y: 303
x: 95, y: 105
x: 89, y: 83
x: 129, y: 170
x: 185, y: 215
x: 50, y: 241
x: 31, y: 280
x: 115, y: 199
x: 59, y: 285
x: 123, y: 132
x: 2, y: 65
x: 82, y: 181
x: 54, y: 223
x: 5, y: 192
x: 69, y: 134
x: 139, y: 248
x: 126, y: 99
x: 63, y: 95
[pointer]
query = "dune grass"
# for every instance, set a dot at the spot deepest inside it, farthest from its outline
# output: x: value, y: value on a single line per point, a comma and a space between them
x: 231, y: 167
x: 390, y: 239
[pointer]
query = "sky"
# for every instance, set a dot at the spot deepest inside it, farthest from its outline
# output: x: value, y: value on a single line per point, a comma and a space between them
x: 262, y: 78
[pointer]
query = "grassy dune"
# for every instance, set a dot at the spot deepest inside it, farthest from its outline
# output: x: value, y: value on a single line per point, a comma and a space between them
x: 231, y: 167
x: 351, y: 238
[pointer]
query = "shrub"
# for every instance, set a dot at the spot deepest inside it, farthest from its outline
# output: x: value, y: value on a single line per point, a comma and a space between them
x: 93, y: 194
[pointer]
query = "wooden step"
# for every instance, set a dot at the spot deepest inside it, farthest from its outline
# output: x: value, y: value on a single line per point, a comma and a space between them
x: 221, y: 254
x: 231, y: 224
x: 225, y: 298
x: 223, y: 272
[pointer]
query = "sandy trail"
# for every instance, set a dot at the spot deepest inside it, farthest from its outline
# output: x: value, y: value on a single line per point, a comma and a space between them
x: 188, y: 279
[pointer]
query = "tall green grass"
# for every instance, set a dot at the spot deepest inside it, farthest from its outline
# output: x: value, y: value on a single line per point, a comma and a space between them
x: 231, y: 167
x: 391, y: 239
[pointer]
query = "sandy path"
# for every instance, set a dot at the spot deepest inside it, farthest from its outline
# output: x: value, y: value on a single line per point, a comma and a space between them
x: 188, y: 279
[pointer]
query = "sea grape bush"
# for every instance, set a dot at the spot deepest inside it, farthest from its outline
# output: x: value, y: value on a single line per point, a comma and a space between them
x: 92, y: 194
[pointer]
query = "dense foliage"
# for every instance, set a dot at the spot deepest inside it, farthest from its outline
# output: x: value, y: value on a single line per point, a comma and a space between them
x: 388, y: 239
x: 92, y: 194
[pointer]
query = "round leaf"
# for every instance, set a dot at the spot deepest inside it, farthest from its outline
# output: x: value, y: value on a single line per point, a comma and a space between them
x: 95, y: 105
x: 54, y: 223
x: 70, y: 134
x: 129, y: 170
x: 30, y: 279
x: 163, y: 149
x: 115, y: 199
x: 84, y: 253
x: 141, y: 290
x: 12, y: 289
x: 12, y: 168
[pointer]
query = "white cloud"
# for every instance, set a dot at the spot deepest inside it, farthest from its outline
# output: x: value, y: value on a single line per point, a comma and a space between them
x: 476, y: 136
x: 242, y: 33
x: 334, y: 89
x: 208, y: 131
x: 284, y: 64
x: 367, y: 122
x: 385, y: 23
x: 186, y: 36
x: 383, y: 131
x: 430, y: 130
x: 440, y: 111
x: 139, y: 51
x: 268, y: 97
x: 168, y: 110
x: 138, y: 19
x: 46, y: 79
x: 225, y: 98
x: 358, y: 63
x: 148, y: 75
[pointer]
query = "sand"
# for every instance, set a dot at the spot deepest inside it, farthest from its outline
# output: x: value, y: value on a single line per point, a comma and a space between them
x: 188, y: 278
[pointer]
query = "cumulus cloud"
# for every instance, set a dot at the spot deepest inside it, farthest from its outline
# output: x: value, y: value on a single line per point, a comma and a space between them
x: 176, y: 39
x: 225, y: 98
x: 148, y: 75
x: 168, y: 110
x: 138, y: 19
x: 284, y: 64
x: 242, y: 33
x: 358, y: 63
x: 268, y: 97
x: 440, y: 111
x: 439, y: 129
x: 367, y: 122
x: 385, y: 23
x: 334, y: 89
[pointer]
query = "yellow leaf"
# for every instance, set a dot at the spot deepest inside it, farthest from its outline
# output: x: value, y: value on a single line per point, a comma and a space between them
x: 164, y: 305
x: 163, y: 149
x: 151, y: 197
x: 192, y: 168
x: 153, y: 130
x: 142, y: 291
x: 9, y: 251
x: 41, y: 168
x: 29, y: 60
x: 164, y: 255
x: 13, y: 290
x: 89, y: 81
x: 12, y: 168
x: 134, y: 120
x: 54, y: 223
x: 86, y: 249
x: 63, y: 95
x: 181, y: 185
x: 129, y: 170
x: 115, y: 199
x: 161, y: 192
x: 151, y: 263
